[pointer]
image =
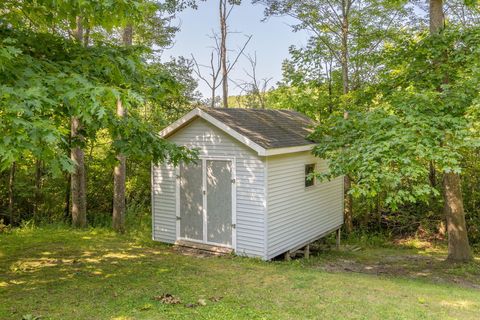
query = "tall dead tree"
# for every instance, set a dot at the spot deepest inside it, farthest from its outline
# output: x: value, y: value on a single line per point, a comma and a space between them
x: 256, y: 88
x: 223, y: 48
x: 458, y: 246
x: 215, y: 67
x: 119, y: 172
x: 78, y: 177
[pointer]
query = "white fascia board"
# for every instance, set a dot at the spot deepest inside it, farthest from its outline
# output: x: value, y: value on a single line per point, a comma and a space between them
x: 276, y: 151
x: 197, y: 112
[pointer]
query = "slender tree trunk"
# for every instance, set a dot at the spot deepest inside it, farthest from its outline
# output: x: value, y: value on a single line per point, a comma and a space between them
x: 86, y: 37
x: 78, y: 32
x: 11, y: 182
x: 119, y: 172
x: 344, y: 58
x: 432, y: 174
x: 223, y: 50
x: 212, y: 103
x: 66, y: 210
x: 347, y: 210
x: 348, y: 207
x: 119, y: 177
x: 38, y: 177
x: 78, y: 182
x: 458, y: 246
x: 328, y: 69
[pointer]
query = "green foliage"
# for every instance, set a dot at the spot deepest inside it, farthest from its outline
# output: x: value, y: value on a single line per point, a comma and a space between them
x: 46, y: 78
x: 357, y: 28
x: 408, y: 122
x: 44, y: 86
x: 309, y: 98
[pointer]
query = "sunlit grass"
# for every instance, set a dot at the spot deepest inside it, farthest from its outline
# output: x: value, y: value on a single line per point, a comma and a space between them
x: 60, y: 273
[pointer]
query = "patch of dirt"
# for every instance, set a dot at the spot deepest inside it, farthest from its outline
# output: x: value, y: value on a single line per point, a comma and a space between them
x: 192, y: 252
x: 407, y: 266
x: 167, y: 298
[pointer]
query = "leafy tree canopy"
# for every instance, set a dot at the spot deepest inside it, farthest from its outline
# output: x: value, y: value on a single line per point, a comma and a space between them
x: 425, y: 109
x: 43, y: 86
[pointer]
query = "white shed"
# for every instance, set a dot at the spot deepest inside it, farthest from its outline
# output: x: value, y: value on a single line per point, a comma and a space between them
x: 248, y: 192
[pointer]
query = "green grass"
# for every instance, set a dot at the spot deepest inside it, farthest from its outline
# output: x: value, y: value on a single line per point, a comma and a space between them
x: 58, y: 273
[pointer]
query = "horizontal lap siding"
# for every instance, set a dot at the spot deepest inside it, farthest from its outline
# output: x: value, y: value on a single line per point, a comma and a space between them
x: 250, y: 199
x: 297, y: 214
x: 163, y: 203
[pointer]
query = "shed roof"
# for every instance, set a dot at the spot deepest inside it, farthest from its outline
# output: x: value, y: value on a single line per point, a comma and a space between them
x: 261, y: 129
x: 267, y: 128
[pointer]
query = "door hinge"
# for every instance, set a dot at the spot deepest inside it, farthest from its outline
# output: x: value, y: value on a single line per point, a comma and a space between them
x: 204, y: 192
x: 179, y: 218
x: 234, y: 225
x: 233, y: 180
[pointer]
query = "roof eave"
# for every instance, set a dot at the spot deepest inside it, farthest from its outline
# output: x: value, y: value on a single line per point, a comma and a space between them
x: 285, y: 150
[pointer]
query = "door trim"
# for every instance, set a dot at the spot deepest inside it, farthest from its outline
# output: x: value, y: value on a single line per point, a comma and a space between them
x: 203, y: 160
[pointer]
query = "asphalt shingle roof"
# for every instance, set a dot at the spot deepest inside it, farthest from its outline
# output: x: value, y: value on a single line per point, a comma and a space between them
x: 266, y: 127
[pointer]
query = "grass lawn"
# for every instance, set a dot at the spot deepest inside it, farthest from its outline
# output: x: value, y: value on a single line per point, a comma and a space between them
x: 57, y: 273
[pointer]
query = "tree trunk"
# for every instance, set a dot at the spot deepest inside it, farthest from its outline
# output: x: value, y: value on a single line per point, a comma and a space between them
x: 66, y: 210
x: 119, y: 177
x: 348, y: 206
x: 127, y: 36
x: 223, y: 50
x: 119, y: 172
x: 78, y: 32
x: 328, y: 69
x: 437, y: 17
x: 458, y: 246
x: 432, y: 174
x: 347, y: 210
x: 344, y: 47
x: 11, y: 182
x: 86, y: 38
x: 38, y: 177
x: 78, y: 183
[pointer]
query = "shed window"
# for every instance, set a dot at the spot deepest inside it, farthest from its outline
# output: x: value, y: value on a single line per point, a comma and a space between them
x: 309, y: 180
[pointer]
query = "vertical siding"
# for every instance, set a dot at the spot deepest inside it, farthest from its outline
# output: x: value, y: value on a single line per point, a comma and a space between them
x: 250, y: 182
x: 297, y: 214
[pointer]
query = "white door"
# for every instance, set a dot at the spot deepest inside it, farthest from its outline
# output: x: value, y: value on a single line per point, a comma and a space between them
x: 206, y: 202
